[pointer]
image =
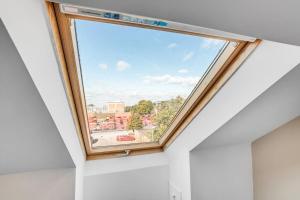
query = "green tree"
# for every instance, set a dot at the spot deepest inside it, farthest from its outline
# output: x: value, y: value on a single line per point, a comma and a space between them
x: 143, y: 107
x: 162, y: 121
x: 166, y: 112
x: 128, y: 108
x: 135, y: 122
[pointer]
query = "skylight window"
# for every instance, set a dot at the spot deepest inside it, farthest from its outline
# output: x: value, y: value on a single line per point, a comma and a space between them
x: 135, y: 83
x: 136, y: 80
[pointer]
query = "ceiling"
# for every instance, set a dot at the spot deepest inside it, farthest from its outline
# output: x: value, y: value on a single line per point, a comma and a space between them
x: 35, y: 140
x: 275, y: 107
x: 274, y: 20
x: 29, y: 139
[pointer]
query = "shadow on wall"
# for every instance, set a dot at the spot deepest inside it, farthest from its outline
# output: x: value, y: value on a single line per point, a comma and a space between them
x: 29, y: 139
x: 58, y: 184
x: 276, y: 163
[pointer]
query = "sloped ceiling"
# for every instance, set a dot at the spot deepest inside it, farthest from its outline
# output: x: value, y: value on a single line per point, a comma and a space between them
x: 275, y: 107
x: 29, y: 139
x: 274, y: 20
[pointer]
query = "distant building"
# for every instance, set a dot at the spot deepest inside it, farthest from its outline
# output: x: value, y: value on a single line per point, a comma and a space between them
x: 122, y: 120
x: 146, y: 120
x: 91, y: 108
x: 113, y: 117
x: 109, y: 121
x: 92, y: 120
x: 114, y: 107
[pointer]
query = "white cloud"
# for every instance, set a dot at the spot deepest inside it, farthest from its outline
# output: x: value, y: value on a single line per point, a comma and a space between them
x: 172, y: 45
x: 99, y: 95
x: 122, y: 65
x: 183, y: 71
x: 188, y: 56
x: 169, y: 79
x: 209, y: 43
x: 103, y: 66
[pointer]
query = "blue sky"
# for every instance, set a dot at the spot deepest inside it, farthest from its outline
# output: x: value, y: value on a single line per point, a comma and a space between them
x: 121, y: 63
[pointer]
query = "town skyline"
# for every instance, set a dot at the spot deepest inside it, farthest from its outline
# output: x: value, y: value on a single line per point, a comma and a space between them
x: 143, y: 122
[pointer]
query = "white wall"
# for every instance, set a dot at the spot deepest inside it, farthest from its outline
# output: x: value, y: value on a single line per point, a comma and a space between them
x: 262, y: 69
x: 106, y: 166
x: 143, y: 177
x: 140, y: 184
x: 28, y: 28
x: 58, y: 184
x: 218, y: 164
x: 222, y: 173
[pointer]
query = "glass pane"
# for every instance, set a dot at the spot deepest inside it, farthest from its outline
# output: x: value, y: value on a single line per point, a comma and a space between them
x: 136, y: 79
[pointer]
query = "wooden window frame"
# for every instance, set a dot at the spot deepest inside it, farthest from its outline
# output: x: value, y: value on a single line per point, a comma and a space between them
x: 224, y: 67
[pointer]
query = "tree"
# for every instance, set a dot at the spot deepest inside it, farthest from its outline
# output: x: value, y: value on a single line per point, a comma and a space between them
x: 135, y: 122
x: 143, y: 107
x: 166, y: 112
x: 162, y: 121
x: 128, y: 108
